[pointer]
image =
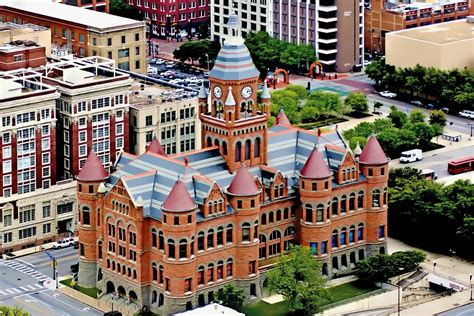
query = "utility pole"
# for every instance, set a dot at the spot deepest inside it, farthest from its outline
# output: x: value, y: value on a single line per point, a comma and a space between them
x: 54, y: 264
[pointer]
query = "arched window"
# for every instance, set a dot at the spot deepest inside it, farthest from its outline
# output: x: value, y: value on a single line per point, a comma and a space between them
x: 352, y: 234
x: 343, y: 175
x: 290, y: 231
x: 220, y: 236
x: 352, y: 202
x: 255, y: 229
x: 200, y: 277
x: 270, y: 217
x: 224, y: 148
x: 118, y: 267
x: 108, y: 264
x: 286, y: 213
x: 256, y: 150
x: 210, y: 272
x: 376, y: 198
x: 154, y: 238
x: 264, y: 219
x: 161, y: 241
x: 183, y: 247
x: 191, y: 246
x: 216, y: 142
x: 200, y: 241
x: 210, y: 238
x: 246, y: 232
x: 99, y: 249
x: 129, y: 272
x: 385, y: 196
x: 334, y: 206
x: 86, y: 216
x: 360, y: 232
x: 247, y: 149
x: 229, y: 267
x: 275, y: 235
x: 220, y: 269
x: 229, y: 234
x: 353, y: 171
x: 278, y: 216
x: 334, y: 238
x: 161, y: 276
x: 343, y: 203
x: 282, y: 188
x: 319, y: 213
x: 221, y: 206
x: 360, y: 200
x: 171, y: 249
x: 113, y: 265
x: 309, y: 213
x: 161, y: 300
x: 263, y: 248
x: 275, y: 191
x: 154, y: 272
x: 209, y: 142
x: 238, y: 148
x: 343, y: 236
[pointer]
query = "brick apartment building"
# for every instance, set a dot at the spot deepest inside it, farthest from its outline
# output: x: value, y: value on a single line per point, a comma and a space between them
x: 383, y: 16
x: 84, y: 32
x: 169, y: 17
x: 169, y: 232
x: 93, y: 111
x: 21, y: 54
x: 97, y: 5
x: 34, y: 205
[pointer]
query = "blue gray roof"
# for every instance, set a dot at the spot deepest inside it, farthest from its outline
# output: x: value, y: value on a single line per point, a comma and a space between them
x: 234, y: 62
x: 152, y: 176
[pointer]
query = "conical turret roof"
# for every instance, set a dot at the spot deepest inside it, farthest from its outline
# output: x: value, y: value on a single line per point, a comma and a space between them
x: 315, y: 167
x: 155, y: 147
x: 230, y: 101
x: 243, y: 183
x: 202, y: 92
x: 373, y: 154
x: 282, y: 119
x: 265, y: 93
x: 93, y: 170
x: 179, y: 199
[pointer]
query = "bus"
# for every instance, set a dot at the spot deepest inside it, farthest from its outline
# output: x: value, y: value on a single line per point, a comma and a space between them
x: 461, y: 165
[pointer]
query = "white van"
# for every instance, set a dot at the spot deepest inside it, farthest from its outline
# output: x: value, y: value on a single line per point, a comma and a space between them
x: 467, y: 114
x: 429, y: 174
x: 151, y: 70
x: 411, y: 155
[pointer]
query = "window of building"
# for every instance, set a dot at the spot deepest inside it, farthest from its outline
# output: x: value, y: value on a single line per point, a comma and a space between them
x: 360, y: 232
x: 171, y: 249
x: 382, y: 231
x: 313, y: 246
x: 376, y: 198
x: 109, y: 41
x: 229, y: 233
x: 246, y: 232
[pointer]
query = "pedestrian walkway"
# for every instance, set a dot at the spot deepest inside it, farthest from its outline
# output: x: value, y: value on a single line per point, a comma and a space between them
x: 14, y: 264
x: 21, y: 290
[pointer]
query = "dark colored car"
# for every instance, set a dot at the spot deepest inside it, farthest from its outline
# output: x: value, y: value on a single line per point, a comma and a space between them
x: 76, y: 244
x: 75, y: 268
x: 445, y: 110
x: 430, y: 106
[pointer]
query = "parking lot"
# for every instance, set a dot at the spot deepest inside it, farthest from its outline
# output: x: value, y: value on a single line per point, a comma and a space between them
x: 177, y: 73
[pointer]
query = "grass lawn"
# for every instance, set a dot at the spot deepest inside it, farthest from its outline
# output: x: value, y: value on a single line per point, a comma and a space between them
x: 90, y: 291
x: 338, y: 293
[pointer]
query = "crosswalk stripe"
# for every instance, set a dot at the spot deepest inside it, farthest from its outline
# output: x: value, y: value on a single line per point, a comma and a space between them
x: 9, y: 291
x: 16, y: 290
x: 24, y: 288
x: 43, y: 278
x: 39, y: 286
x: 3, y: 293
x: 31, y: 287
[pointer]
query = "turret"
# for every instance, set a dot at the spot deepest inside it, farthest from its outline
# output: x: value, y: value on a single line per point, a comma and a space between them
x: 315, y: 187
x: 90, y: 194
x: 202, y: 100
x: 282, y: 119
x: 265, y: 100
x: 229, y: 107
x: 179, y: 226
x: 243, y: 194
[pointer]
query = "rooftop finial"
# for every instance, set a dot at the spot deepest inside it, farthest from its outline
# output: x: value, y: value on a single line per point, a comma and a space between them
x: 233, y: 24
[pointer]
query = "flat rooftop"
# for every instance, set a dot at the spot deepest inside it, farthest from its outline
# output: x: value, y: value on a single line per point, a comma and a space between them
x: 90, y: 18
x: 22, y: 83
x: 144, y: 95
x: 18, y: 46
x: 12, y: 29
x: 443, y: 33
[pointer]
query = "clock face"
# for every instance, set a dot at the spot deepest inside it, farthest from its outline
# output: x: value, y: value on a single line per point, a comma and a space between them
x: 217, y: 92
x: 247, y: 92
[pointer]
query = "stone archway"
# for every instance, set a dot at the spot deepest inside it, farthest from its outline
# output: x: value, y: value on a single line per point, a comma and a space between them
x: 133, y: 296
x: 311, y: 69
x: 110, y: 287
x: 286, y: 77
x: 121, y: 291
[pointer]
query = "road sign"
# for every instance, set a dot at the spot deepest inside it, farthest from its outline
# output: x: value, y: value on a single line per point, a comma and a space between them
x: 50, y: 256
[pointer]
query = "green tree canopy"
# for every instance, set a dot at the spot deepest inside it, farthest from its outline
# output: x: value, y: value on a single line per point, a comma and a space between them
x: 417, y: 116
x: 397, y: 117
x: 120, y: 8
x: 358, y: 102
x: 197, y: 50
x: 12, y: 311
x: 438, y: 117
x: 296, y: 276
x: 231, y: 296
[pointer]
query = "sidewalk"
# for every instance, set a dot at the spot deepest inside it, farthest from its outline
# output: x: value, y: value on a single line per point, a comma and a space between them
x: 30, y: 250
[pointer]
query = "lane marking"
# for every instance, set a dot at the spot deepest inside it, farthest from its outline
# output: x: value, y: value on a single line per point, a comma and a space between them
x: 27, y: 294
x: 39, y: 286
x: 27, y: 263
x: 24, y: 288
x: 54, y: 298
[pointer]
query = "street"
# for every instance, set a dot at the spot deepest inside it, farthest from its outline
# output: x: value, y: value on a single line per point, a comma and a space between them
x: 27, y: 282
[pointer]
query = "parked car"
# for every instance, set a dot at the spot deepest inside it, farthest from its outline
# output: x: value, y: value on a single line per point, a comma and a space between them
x: 445, y: 110
x: 430, y: 106
x: 153, y: 61
x: 411, y: 155
x: 387, y: 94
x: 151, y: 70
x: 429, y: 174
x: 63, y: 243
x: 75, y: 268
x: 160, y: 61
x: 417, y: 103
x: 366, y: 63
x: 467, y: 114
x: 193, y: 80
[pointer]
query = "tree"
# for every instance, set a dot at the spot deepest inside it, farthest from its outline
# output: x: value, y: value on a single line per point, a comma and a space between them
x: 417, y: 116
x: 438, y: 117
x: 296, y: 277
x: 424, y: 133
x: 231, y: 296
x: 197, y: 50
x: 325, y: 102
x: 309, y: 114
x: 12, y: 311
x: 397, y: 117
x: 120, y: 8
x: 299, y: 90
x: 358, y: 102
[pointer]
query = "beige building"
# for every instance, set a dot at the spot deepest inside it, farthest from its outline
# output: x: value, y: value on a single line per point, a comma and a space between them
x: 83, y: 32
x: 444, y: 46
x: 169, y: 114
x: 11, y: 32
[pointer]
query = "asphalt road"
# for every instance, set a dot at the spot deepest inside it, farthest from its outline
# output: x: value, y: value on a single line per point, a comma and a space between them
x: 22, y: 283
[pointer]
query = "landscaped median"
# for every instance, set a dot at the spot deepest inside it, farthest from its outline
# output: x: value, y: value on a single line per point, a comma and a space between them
x: 92, y: 292
x: 347, y: 292
x: 85, y: 295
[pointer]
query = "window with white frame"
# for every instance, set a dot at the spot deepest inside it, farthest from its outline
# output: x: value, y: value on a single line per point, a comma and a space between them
x: 100, y: 103
x: 45, y: 113
x: 81, y: 163
x: 46, y: 172
x: 119, y: 99
x: 7, y: 152
x: 46, y: 209
x: 26, y: 147
x: 81, y: 106
x: 7, y: 192
x: 119, y: 129
x: 82, y: 122
x: 6, y: 121
x: 82, y: 136
x: 66, y: 136
x: 46, y: 184
x: 82, y: 150
x: 119, y: 116
x: 45, y: 130
x: 6, y: 138
x: 119, y: 143
x: 46, y: 159
x: 66, y: 163
x: 7, y: 166
x: 25, y: 117
x: 26, y: 162
x: 66, y: 150
x: 7, y: 180
x: 7, y: 218
x: 27, y: 213
x: 45, y: 144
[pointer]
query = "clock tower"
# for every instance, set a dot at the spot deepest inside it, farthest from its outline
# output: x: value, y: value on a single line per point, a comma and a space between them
x: 235, y: 120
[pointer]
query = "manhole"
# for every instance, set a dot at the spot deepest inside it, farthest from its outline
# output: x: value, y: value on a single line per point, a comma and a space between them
x: 18, y: 279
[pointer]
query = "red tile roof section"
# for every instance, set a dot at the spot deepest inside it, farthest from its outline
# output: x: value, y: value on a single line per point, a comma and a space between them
x: 93, y: 170
x: 155, y: 147
x: 373, y: 154
x: 282, y: 119
x: 315, y: 166
x: 243, y: 183
x: 179, y: 198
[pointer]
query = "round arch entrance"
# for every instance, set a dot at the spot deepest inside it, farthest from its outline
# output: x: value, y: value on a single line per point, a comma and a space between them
x: 110, y: 287
x: 286, y: 77
x: 121, y: 291
x: 314, y: 69
x: 133, y: 296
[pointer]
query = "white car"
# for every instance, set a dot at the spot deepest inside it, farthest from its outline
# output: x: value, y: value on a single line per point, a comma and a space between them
x: 193, y: 80
x: 63, y: 243
x: 467, y: 114
x: 160, y: 61
x: 366, y: 63
x: 387, y: 94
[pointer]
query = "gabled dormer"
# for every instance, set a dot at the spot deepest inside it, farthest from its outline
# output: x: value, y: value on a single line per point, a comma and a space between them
x: 348, y: 170
x: 278, y: 187
x: 215, y: 202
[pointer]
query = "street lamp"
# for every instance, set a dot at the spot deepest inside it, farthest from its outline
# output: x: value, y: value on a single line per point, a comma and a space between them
x: 207, y: 59
x: 434, y: 267
x: 470, y: 126
x: 470, y: 284
x: 399, y: 289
